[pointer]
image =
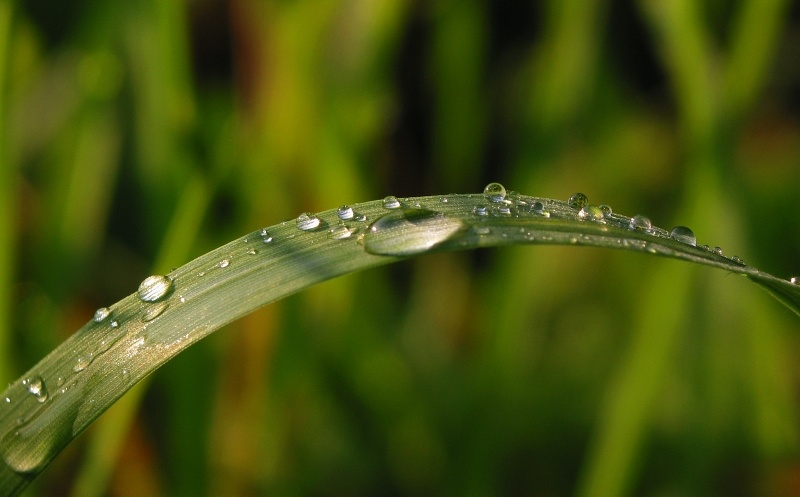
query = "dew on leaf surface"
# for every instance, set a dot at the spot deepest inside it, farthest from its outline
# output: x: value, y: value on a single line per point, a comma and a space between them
x: 391, y: 202
x: 101, y: 314
x: 307, y: 221
x: 578, y: 200
x: 684, y: 235
x: 640, y: 222
x: 410, y: 231
x: 495, y: 192
x: 591, y: 213
x: 154, y: 288
x: 345, y: 212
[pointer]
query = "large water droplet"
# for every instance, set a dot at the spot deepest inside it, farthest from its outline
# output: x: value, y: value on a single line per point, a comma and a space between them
x: 101, y: 314
x: 591, y: 213
x: 495, y: 192
x: 683, y: 234
x: 35, y: 385
x: 578, y: 200
x: 345, y: 212
x: 410, y: 231
x: 391, y: 202
x: 307, y: 221
x: 640, y: 222
x: 154, y: 288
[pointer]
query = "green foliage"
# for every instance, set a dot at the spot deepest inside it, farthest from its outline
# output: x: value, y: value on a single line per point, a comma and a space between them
x: 136, y: 137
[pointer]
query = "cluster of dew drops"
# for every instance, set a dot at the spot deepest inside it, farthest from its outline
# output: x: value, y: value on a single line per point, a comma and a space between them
x: 154, y: 289
x: 501, y: 202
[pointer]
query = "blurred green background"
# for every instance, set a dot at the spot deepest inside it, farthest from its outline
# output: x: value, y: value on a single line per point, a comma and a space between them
x: 137, y: 135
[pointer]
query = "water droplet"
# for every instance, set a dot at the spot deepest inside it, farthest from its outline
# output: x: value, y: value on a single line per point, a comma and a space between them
x: 495, y: 192
x: 737, y: 260
x: 114, y: 324
x: 7, y: 400
x: 224, y: 263
x: 307, y: 221
x: 578, y: 200
x: 482, y: 230
x: 391, y: 202
x: 480, y: 210
x: 265, y: 236
x: 340, y: 232
x: 82, y: 363
x: 683, y: 234
x: 591, y: 213
x: 345, y: 212
x: 640, y: 222
x: 410, y: 231
x: 360, y: 217
x: 101, y: 314
x: 251, y: 251
x: 606, y: 210
x: 444, y: 200
x: 793, y: 280
x: 35, y: 385
x: 154, y: 288
x: 154, y: 311
x: 502, y: 210
x: 538, y: 207
x: 717, y: 250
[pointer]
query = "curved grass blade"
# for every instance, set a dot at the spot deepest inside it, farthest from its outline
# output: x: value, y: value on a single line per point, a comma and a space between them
x: 58, y: 398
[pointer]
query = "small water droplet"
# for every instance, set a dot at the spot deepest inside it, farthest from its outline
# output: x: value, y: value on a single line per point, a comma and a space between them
x: 737, y: 260
x: 114, y: 324
x: 606, y: 210
x: 82, y: 363
x: 7, y: 400
x: 345, y: 212
x: 154, y: 288
x: 444, y: 200
x: 266, y: 237
x: 251, y: 251
x: 340, y: 232
x: 591, y: 213
x: 307, y: 221
x: 717, y: 250
x: 538, y: 207
x: 391, y: 202
x: 154, y: 311
x: 360, y: 217
x: 793, y: 280
x: 683, y: 234
x: 35, y: 385
x: 502, y: 210
x: 224, y: 263
x: 101, y: 314
x: 577, y: 200
x: 410, y: 231
x: 640, y: 222
x: 495, y: 192
x: 480, y: 210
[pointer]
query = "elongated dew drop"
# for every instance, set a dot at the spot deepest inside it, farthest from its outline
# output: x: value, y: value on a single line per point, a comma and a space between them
x: 154, y: 311
x: 683, y: 234
x: 340, y: 232
x: 640, y: 222
x: 591, y: 213
x: 391, y: 202
x: 101, y: 314
x: 410, y: 231
x: 154, y: 288
x: 345, y: 212
x: 307, y: 221
x: 578, y: 200
x: 224, y: 263
x: 82, y: 363
x: 495, y: 192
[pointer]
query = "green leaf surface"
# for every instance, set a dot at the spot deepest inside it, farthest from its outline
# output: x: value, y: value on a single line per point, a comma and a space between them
x: 58, y: 398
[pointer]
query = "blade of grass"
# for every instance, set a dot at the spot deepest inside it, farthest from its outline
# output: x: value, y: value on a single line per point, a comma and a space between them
x: 58, y: 398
